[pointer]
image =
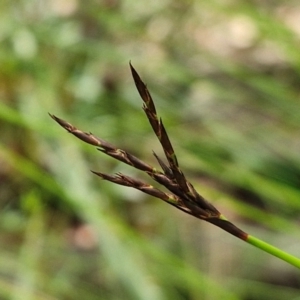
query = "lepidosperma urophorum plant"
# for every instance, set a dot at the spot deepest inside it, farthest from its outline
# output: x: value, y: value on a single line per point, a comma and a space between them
x: 182, y: 193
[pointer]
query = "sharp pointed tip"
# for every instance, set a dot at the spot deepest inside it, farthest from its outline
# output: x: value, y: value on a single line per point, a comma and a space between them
x: 131, y: 66
x: 134, y: 72
x: 155, y: 155
x: 97, y: 173
x: 55, y: 118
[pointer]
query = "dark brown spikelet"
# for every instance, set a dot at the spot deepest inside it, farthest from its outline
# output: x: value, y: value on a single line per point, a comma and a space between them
x: 182, y: 193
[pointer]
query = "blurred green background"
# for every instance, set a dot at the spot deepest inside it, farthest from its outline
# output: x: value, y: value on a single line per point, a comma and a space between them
x: 225, y: 78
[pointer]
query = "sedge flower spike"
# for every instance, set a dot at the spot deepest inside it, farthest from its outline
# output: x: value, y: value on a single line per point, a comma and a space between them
x: 182, y: 194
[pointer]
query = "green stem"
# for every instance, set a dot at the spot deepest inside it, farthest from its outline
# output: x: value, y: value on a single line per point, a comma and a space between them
x: 250, y: 239
x: 273, y: 250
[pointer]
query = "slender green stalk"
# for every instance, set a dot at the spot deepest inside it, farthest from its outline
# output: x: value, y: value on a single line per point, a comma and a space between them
x: 250, y: 239
x: 273, y: 250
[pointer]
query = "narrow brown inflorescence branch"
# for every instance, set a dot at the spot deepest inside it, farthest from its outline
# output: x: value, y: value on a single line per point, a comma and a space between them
x: 183, y: 195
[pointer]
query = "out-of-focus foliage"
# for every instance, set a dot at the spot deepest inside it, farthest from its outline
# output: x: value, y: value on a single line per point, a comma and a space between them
x: 225, y: 77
